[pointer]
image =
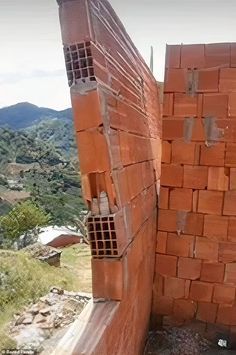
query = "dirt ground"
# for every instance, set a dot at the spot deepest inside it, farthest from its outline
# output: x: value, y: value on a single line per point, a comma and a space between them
x: 182, y: 341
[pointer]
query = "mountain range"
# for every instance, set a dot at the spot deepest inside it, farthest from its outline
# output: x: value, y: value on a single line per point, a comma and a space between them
x: 25, y: 114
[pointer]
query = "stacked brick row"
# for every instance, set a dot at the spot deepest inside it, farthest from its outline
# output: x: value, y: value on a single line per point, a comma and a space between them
x: 118, y: 125
x: 196, y: 242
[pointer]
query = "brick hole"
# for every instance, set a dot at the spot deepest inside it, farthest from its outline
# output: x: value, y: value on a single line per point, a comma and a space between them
x: 93, y: 245
x: 68, y: 66
x: 82, y: 53
x: 99, y: 236
x: 108, y: 245
x: 68, y: 57
x: 108, y: 252
x: 100, y: 245
x: 90, y: 62
x: 77, y: 75
x: 88, y: 52
x: 93, y: 78
x: 87, y: 44
x: 97, y: 226
x: 91, y: 72
x: 84, y: 73
x: 105, y: 227
x: 83, y: 63
x: 113, y: 235
x: 80, y: 45
x: 106, y: 235
x: 74, y: 56
x: 76, y: 65
x: 73, y: 48
x: 114, y: 245
x: 101, y: 252
x: 112, y: 226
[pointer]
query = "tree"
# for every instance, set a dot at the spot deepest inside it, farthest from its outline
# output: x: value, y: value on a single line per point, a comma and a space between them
x: 22, y: 218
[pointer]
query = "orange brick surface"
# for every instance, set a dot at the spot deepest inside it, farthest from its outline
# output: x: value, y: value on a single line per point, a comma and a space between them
x: 198, y: 186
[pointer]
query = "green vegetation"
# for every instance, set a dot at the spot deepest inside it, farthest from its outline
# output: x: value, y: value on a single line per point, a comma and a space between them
x: 23, y: 280
x: 22, y: 218
x: 42, y: 160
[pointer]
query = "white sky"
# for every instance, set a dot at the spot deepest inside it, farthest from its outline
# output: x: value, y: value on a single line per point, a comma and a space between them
x: 31, y: 58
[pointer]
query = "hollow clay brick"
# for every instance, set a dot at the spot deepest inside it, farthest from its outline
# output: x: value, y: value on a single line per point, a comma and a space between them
x: 210, y: 202
x: 166, y: 265
x: 232, y: 229
x: 206, y: 312
x: 107, y: 279
x: 199, y: 105
x: 224, y: 294
x: 135, y: 182
x: 171, y: 175
x: 164, y: 198
x: 166, y: 152
x: 185, y: 153
x: 181, y: 199
x: 213, y: 156
x: 198, y: 133
x: 161, y: 242
x: 86, y: 110
x: 184, y: 309
x: 232, y: 104
x: 193, y: 224
x: 230, y: 157
x: 227, y: 252
x: 173, y: 56
x: 226, y: 315
x: 217, y: 54
x: 172, y: 129
x: 201, y: 291
x: 93, y: 144
x: 230, y: 273
x: 228, y: 79
x: 192, y: 56
x: 215, y: 227
x: 230, y: 203
x: 163, y: 305
x: 212, y: 272
x: 168, y: 105
x: 218, y: 179
x: 167, y: 220
x: 206, y: 250
x: 174, y: 287
x: 189, y: 268
x: 185, y: 105
x: 215, y: 105
x: 208, y: 80
x: 175, y: 80
x: 232, y: 179
x: 195, y: 177
x: 180, y: 245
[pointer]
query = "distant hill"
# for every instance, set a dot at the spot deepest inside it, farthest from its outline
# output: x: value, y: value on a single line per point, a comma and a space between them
x: 24, y: 115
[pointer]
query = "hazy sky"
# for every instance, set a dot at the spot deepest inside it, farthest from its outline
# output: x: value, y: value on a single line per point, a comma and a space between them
x: 31, y: 59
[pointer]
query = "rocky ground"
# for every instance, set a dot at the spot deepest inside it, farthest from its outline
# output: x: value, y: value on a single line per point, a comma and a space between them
x: 43, y: 323
x: 181, y: 341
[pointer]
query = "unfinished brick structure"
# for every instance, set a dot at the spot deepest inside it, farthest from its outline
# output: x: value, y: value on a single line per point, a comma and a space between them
x: 118, y: 125
x: 117, y: 116
x: 196, y: 249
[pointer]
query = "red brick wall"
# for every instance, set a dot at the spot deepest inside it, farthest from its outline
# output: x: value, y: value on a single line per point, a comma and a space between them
x: 118, y: 125
x: 195, y: 273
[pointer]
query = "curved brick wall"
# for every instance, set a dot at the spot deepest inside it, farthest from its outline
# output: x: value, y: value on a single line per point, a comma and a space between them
x: 118, y: 125
x: 196, y: 247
